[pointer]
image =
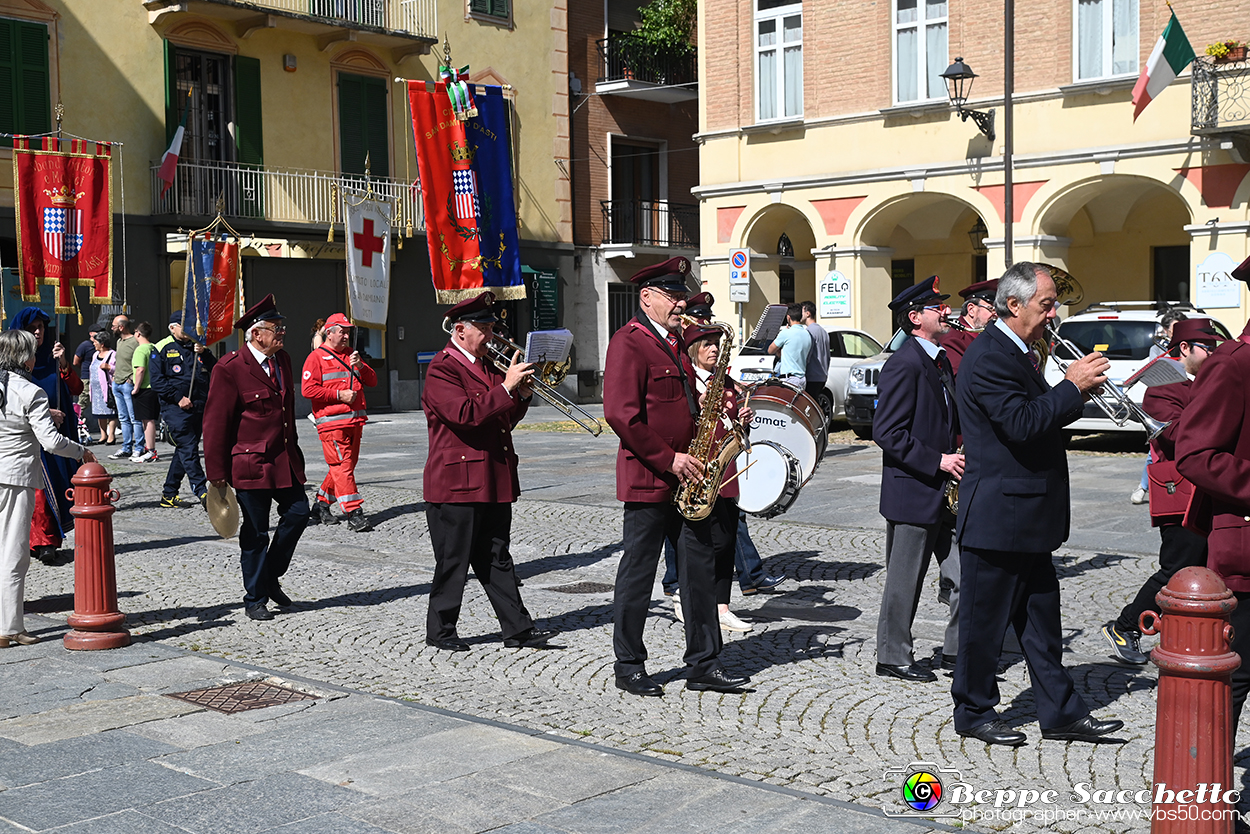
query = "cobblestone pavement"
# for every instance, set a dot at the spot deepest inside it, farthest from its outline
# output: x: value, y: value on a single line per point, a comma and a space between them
x: 816, y: 719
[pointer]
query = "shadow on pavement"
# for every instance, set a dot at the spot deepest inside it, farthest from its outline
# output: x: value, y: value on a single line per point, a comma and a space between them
x: 567, y: 561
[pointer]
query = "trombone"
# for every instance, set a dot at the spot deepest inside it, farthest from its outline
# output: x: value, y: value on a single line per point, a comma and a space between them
x: 547, y: 376
x: 1109, y: 397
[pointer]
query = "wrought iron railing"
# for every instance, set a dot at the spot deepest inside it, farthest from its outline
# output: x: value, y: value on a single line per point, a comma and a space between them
x: 281, y: 196
x: 1220, y: 94
x: 416, y: 17
x: 651, y: 223
x: 628, y: 57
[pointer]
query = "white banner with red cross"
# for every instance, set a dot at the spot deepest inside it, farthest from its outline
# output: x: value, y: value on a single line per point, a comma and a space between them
x: 367, y: 227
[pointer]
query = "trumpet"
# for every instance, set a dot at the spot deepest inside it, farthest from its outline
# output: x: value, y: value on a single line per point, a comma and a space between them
x: 1109, y: 397
x: 956, y: 324
x: 547, y: 377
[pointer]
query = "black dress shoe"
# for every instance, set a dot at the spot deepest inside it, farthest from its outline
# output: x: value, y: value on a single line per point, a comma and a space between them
x: 907, y: 673
x: 639, y: 683
x: 995, y: 732
x: 279, y: 598
x: 1088, y: 728
x: 448, y: 644
x: 531, y: 638
x: 258, y: 612
x: 717, y: 680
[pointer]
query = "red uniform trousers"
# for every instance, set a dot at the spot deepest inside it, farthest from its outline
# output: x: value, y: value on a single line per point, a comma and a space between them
x: 341, y: 448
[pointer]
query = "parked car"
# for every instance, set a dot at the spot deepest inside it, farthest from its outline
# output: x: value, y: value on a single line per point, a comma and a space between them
x: 846, y: 347
x: 1124, y: 332
x: 861, y: 387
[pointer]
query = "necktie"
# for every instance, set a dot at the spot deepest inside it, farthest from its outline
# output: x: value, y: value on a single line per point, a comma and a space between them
x: 1033, y: 360
x: 672, y: 343
x: 273, y: 372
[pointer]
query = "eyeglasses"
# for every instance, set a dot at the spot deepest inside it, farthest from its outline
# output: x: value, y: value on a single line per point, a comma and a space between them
x: 276, y: 330
x: 673, y: 296
x: 938, y: 307
x: 1203, y: 345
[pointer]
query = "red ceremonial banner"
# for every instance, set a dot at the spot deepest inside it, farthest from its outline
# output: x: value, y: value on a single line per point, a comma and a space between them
x: 64, y: 207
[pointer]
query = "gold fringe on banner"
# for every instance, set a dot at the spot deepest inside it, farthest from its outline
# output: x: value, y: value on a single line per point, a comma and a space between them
x: 501, y: 294
x: 334, y: 210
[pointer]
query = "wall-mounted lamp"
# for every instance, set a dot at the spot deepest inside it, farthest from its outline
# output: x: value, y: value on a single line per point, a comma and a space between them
x: 288, y: 63
x: 959, y: 83
x: 977, y: 235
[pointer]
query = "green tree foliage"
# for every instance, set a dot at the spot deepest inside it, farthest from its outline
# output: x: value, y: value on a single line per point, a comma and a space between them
x: 668, y: 25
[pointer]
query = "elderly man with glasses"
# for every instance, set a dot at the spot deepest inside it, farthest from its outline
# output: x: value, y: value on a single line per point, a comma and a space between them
x: 977, y: 312
x: 250, y: 443
x: 335, y: 379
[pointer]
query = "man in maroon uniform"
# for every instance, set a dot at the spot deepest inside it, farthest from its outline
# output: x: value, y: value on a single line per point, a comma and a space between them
x: 470, y: 478
x: 1213, y: 452
x: 250, y: 443
x: 1193, y: 340
x: 649, y: 401
x: 978, y: 311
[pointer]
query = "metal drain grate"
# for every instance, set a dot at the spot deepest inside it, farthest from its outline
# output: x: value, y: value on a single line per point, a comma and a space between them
x: 582, y: 588
x: 240, y: 697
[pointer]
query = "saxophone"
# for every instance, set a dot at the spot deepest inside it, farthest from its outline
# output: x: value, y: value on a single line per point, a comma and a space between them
x: 695, y: 497
x: 951, y: 492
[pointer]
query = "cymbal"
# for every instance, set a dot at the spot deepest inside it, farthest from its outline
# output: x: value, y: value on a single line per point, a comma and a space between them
x: 223, y: 511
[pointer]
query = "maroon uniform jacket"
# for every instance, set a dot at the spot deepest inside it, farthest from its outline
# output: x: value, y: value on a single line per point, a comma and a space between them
x: 470, y: 417
x: 249, y: 424
x: 956, y: 342
x: 1165, y: 403
x: 645, y: 403
x: 1213, y: 452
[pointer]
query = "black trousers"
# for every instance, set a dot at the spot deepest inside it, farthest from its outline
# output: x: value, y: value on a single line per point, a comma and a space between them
x: 185, y: 427
x: 646, y: 525
x: 998, y: 589
x: 1179, y: 548
x: 264, y: 562
x: 1240, y: 619
x: 473, y: 535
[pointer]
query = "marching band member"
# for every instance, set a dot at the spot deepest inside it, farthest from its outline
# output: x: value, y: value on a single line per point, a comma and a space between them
x: 650, y: 404
x: 977, y: 312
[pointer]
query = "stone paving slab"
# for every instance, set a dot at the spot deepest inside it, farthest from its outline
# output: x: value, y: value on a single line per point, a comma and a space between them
x: 90, y: 717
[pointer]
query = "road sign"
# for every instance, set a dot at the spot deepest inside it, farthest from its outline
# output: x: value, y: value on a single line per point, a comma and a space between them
x: 740, y: 275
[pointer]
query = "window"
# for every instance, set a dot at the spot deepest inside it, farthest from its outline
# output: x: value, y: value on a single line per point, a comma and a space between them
x: 920, y: 53
x: 622, y: 305
x: 25, y: 101
x: 778, y: 60
x: 1106, y: 38
x: 491, y: 8
x: 785, y: 284
x: 858, y: 346
x: 363, y: 125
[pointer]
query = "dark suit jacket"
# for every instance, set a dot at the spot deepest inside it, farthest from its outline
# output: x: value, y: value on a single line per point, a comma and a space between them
x: 470, y: 419
x: 1014, y: 495
x: 645, y: 403
x: 249, y: 425
x: 914, y: 425
x: 1213, y: 452
x: 1165, y: 403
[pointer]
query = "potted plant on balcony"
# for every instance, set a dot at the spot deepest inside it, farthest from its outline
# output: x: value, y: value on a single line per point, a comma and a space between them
x: 667, y: 35
x: 1225, y: 52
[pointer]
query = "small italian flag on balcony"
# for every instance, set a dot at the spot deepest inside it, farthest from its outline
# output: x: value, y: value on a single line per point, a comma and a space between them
x: 169, y: 162
x: 1172, y: 53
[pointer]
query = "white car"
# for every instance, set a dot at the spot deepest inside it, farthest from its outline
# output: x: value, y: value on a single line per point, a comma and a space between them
x: 846, y: 347
x: 1124, y: 332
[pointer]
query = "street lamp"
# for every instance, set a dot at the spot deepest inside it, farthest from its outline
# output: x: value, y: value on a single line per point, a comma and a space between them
x: 977, y: 235
x: 959, y: 83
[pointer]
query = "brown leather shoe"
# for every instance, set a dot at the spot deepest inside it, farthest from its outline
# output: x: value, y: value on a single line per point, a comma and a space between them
x: 20, y: 639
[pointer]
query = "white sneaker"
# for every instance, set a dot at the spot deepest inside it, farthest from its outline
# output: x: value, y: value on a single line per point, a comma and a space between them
x: 730, y: 622
x: 1139, y: 496
x: 681, y: 618
x: 120, y: 455
x: 146, y: 457
x: 136, y: 455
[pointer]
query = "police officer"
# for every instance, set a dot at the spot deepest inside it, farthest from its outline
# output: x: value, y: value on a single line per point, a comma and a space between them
x: 180, y: 368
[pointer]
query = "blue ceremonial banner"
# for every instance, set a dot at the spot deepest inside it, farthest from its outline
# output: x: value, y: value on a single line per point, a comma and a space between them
x: 200, y: 257
x: 211, y: 280
x: 490, y: 133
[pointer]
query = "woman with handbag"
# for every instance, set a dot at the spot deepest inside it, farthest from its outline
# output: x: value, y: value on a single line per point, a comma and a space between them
x: 102, y: 403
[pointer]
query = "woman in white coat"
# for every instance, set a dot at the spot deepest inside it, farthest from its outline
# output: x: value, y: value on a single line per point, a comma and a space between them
x: 25, y: 426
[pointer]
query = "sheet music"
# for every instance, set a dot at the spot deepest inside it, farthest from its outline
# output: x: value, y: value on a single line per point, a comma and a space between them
x: 771, y: 321
x: 548, y: 345
x: 1164, y: 370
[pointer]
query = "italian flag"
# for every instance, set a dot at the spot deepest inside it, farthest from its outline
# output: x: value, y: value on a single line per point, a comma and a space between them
x: 1172, y: 53
x: 169, y: 162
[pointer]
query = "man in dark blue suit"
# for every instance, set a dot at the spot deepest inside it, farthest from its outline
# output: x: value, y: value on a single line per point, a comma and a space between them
x: 916, y: 427
x: 1014, y: 512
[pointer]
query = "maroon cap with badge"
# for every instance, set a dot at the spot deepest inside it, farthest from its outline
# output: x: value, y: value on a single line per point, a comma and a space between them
x: 669, y: 276
x: 982, y: 289
x: 1195, y: 330
x: 264, y: 310
x: 480, y: 308
x: 695, y: 332
x: 700, y: 306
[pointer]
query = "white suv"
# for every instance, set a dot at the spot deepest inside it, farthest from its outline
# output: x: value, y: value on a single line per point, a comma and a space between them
x: 1124, y: 332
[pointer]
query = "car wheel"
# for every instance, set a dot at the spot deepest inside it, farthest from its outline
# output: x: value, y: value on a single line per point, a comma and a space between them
x: 862, y: 432
x: 826, y: 405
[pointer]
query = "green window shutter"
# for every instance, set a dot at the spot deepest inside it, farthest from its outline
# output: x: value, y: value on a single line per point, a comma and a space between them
x: 494, y: 8
x: 248, y: 135
x: 363, y: 125
x: 480, y: 6
x: 499, y: 8
x: 173, y: 102
x: 8, y: 72
x: 34, y: 113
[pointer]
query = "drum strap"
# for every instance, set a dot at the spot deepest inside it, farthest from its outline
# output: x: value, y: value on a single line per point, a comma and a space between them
x: 691, y: 400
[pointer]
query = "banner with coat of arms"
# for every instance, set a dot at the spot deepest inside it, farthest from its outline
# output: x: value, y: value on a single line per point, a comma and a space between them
x: 367, y: 226
x: 466, y: 190
x: 212, y: 279
x: 64, y: 207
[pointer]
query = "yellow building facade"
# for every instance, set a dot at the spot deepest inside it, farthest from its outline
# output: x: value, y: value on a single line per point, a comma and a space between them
x: 850, y: 149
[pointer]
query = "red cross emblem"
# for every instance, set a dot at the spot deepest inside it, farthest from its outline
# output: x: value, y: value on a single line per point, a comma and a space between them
x: 367, y: 242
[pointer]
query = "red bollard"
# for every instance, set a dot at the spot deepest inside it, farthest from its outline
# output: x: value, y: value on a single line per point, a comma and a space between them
x: 1193, y: 778
x: 96, y: 621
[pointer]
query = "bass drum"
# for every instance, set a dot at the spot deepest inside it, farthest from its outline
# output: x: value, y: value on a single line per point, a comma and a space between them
x: 771, y: 484
x: 789, y: 417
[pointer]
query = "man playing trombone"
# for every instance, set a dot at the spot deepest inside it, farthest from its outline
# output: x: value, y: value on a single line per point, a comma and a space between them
x: 470, y: 478
x: 1014, y: 512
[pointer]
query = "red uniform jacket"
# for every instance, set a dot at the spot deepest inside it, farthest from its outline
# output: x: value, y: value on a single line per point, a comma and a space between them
x: 956, y: 342
x: 470, y: 418
x: 645, y: 403
x: 1213, y: 452
x: 249, y: 426
x: 1165, y: 403
x: 325, y: 374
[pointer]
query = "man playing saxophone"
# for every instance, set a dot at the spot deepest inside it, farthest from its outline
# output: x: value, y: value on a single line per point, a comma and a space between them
x: 650, y: 403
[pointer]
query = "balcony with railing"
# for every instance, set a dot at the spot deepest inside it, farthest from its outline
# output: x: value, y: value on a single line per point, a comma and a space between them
x: 650, y: 223
x: 251, y: 192
x: 628, y: 65
x: 386, y: 23
x: 1220, y: 96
